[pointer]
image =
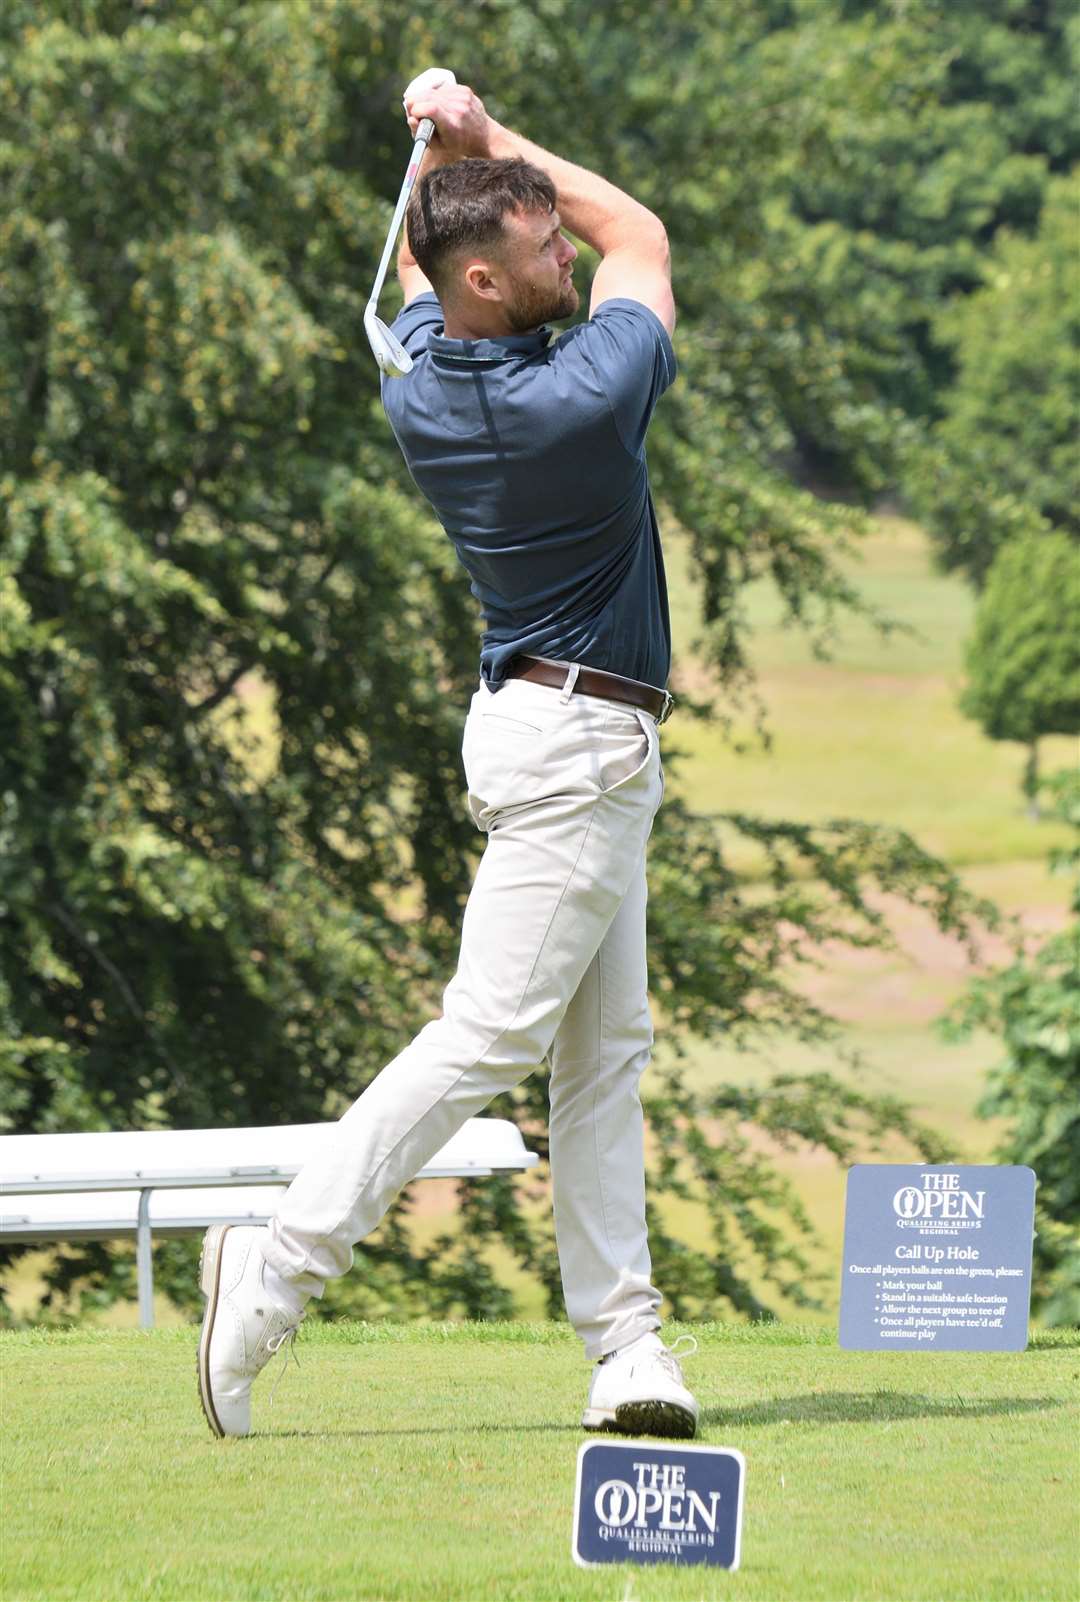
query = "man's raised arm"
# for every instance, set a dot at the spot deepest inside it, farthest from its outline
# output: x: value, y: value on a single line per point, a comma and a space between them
x: 631, y: 239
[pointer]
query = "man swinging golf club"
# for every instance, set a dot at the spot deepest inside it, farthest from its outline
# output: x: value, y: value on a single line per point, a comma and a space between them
x: 531, y: 451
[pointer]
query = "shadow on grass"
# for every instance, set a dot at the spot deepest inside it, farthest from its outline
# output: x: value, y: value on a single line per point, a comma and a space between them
x: 843, y: 1407
x: 871, y: 1407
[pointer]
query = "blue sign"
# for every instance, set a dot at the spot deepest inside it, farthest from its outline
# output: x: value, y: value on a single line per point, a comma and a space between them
x: 937, y: 1258
x: 640, y: 1503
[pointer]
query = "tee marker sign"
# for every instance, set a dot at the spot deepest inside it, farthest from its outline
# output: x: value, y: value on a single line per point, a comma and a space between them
x: 636, y: 1502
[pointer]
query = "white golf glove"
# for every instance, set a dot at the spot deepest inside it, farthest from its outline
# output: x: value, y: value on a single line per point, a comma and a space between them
x: 425, y: 82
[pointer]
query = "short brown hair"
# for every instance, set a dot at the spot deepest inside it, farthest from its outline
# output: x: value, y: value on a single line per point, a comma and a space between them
x: 461, y: 207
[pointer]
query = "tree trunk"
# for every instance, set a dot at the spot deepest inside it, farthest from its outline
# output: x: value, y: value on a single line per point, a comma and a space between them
x: 1031, y: 781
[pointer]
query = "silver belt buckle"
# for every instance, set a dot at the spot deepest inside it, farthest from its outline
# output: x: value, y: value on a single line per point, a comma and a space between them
x: 667, y: 708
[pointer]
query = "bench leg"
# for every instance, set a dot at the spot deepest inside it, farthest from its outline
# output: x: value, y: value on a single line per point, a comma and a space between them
x: 144, y: 1262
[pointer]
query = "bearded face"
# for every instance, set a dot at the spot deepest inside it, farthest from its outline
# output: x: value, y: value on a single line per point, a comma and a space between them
x: 533, y: 274
x: 537, y: 300
x: 539, y: 265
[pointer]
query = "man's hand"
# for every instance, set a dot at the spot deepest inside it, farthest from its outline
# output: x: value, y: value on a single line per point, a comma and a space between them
x: 461, y: 123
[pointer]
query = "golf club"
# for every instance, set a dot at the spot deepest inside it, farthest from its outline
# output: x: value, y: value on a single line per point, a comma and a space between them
x: 391, y: 355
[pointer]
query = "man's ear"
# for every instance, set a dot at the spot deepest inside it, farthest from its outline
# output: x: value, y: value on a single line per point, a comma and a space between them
x: 480, y: 281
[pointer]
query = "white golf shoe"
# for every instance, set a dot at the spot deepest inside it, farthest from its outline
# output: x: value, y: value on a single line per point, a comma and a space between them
x: 242, y: 1328
x: 639, y: 1390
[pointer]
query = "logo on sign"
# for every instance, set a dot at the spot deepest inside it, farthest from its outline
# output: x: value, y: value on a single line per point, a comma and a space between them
x: 940, y: 1205
x: 638, y: 1503
x: 660, y: 1489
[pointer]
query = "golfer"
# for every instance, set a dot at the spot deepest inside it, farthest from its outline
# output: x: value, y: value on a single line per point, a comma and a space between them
x: 530, y: 448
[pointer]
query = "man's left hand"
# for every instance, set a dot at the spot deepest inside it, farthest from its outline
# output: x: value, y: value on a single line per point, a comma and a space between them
x: 461, y: 123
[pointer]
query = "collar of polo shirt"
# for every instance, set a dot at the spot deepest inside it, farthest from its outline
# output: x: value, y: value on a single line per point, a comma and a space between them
x: 501, y: 348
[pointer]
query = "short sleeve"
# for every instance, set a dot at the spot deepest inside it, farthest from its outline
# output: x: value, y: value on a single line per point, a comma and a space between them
x: 414, y: 322
x: 632, y: 355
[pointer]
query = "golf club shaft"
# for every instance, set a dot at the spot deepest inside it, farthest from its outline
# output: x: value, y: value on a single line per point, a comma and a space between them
x: 423, y: 136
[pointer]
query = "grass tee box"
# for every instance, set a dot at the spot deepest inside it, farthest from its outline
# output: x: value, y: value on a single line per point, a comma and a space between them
x: 438, y: 1463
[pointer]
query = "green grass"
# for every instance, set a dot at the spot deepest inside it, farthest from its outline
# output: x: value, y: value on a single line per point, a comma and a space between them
x: 436, y: 1464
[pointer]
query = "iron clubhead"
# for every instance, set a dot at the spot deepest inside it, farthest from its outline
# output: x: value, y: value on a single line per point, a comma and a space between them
x: 391, y: 355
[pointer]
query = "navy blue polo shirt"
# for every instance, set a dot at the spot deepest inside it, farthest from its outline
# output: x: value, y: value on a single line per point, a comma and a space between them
x: 530, y: 449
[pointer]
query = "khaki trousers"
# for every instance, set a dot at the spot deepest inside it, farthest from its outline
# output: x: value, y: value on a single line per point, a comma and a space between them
x: 551, y: 968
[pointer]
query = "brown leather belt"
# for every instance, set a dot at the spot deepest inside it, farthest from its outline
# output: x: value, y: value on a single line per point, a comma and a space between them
x: 593, y: 681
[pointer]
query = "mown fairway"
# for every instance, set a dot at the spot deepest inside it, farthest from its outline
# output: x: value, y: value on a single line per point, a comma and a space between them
x: 437, y: 1463
x: 873, y: 731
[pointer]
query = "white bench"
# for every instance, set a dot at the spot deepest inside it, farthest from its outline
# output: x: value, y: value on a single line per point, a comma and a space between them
x: 180, y: 1181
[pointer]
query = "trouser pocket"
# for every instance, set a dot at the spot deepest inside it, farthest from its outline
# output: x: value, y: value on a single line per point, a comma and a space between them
x: 628, y: 744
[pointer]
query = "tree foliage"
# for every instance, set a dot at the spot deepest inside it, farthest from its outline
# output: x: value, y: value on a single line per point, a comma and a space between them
x: 922, y: 130
x: 237, y: 650
x: 1023, y: 658
x: 1034, y: 1005
x: 1001, y: 465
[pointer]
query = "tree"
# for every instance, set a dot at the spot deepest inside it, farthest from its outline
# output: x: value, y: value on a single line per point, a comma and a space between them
x: 1023, y: 658
x: 237, y: 648
x: 915, y: 133
x: 1002, y: 462
x: 1034, y: 1005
